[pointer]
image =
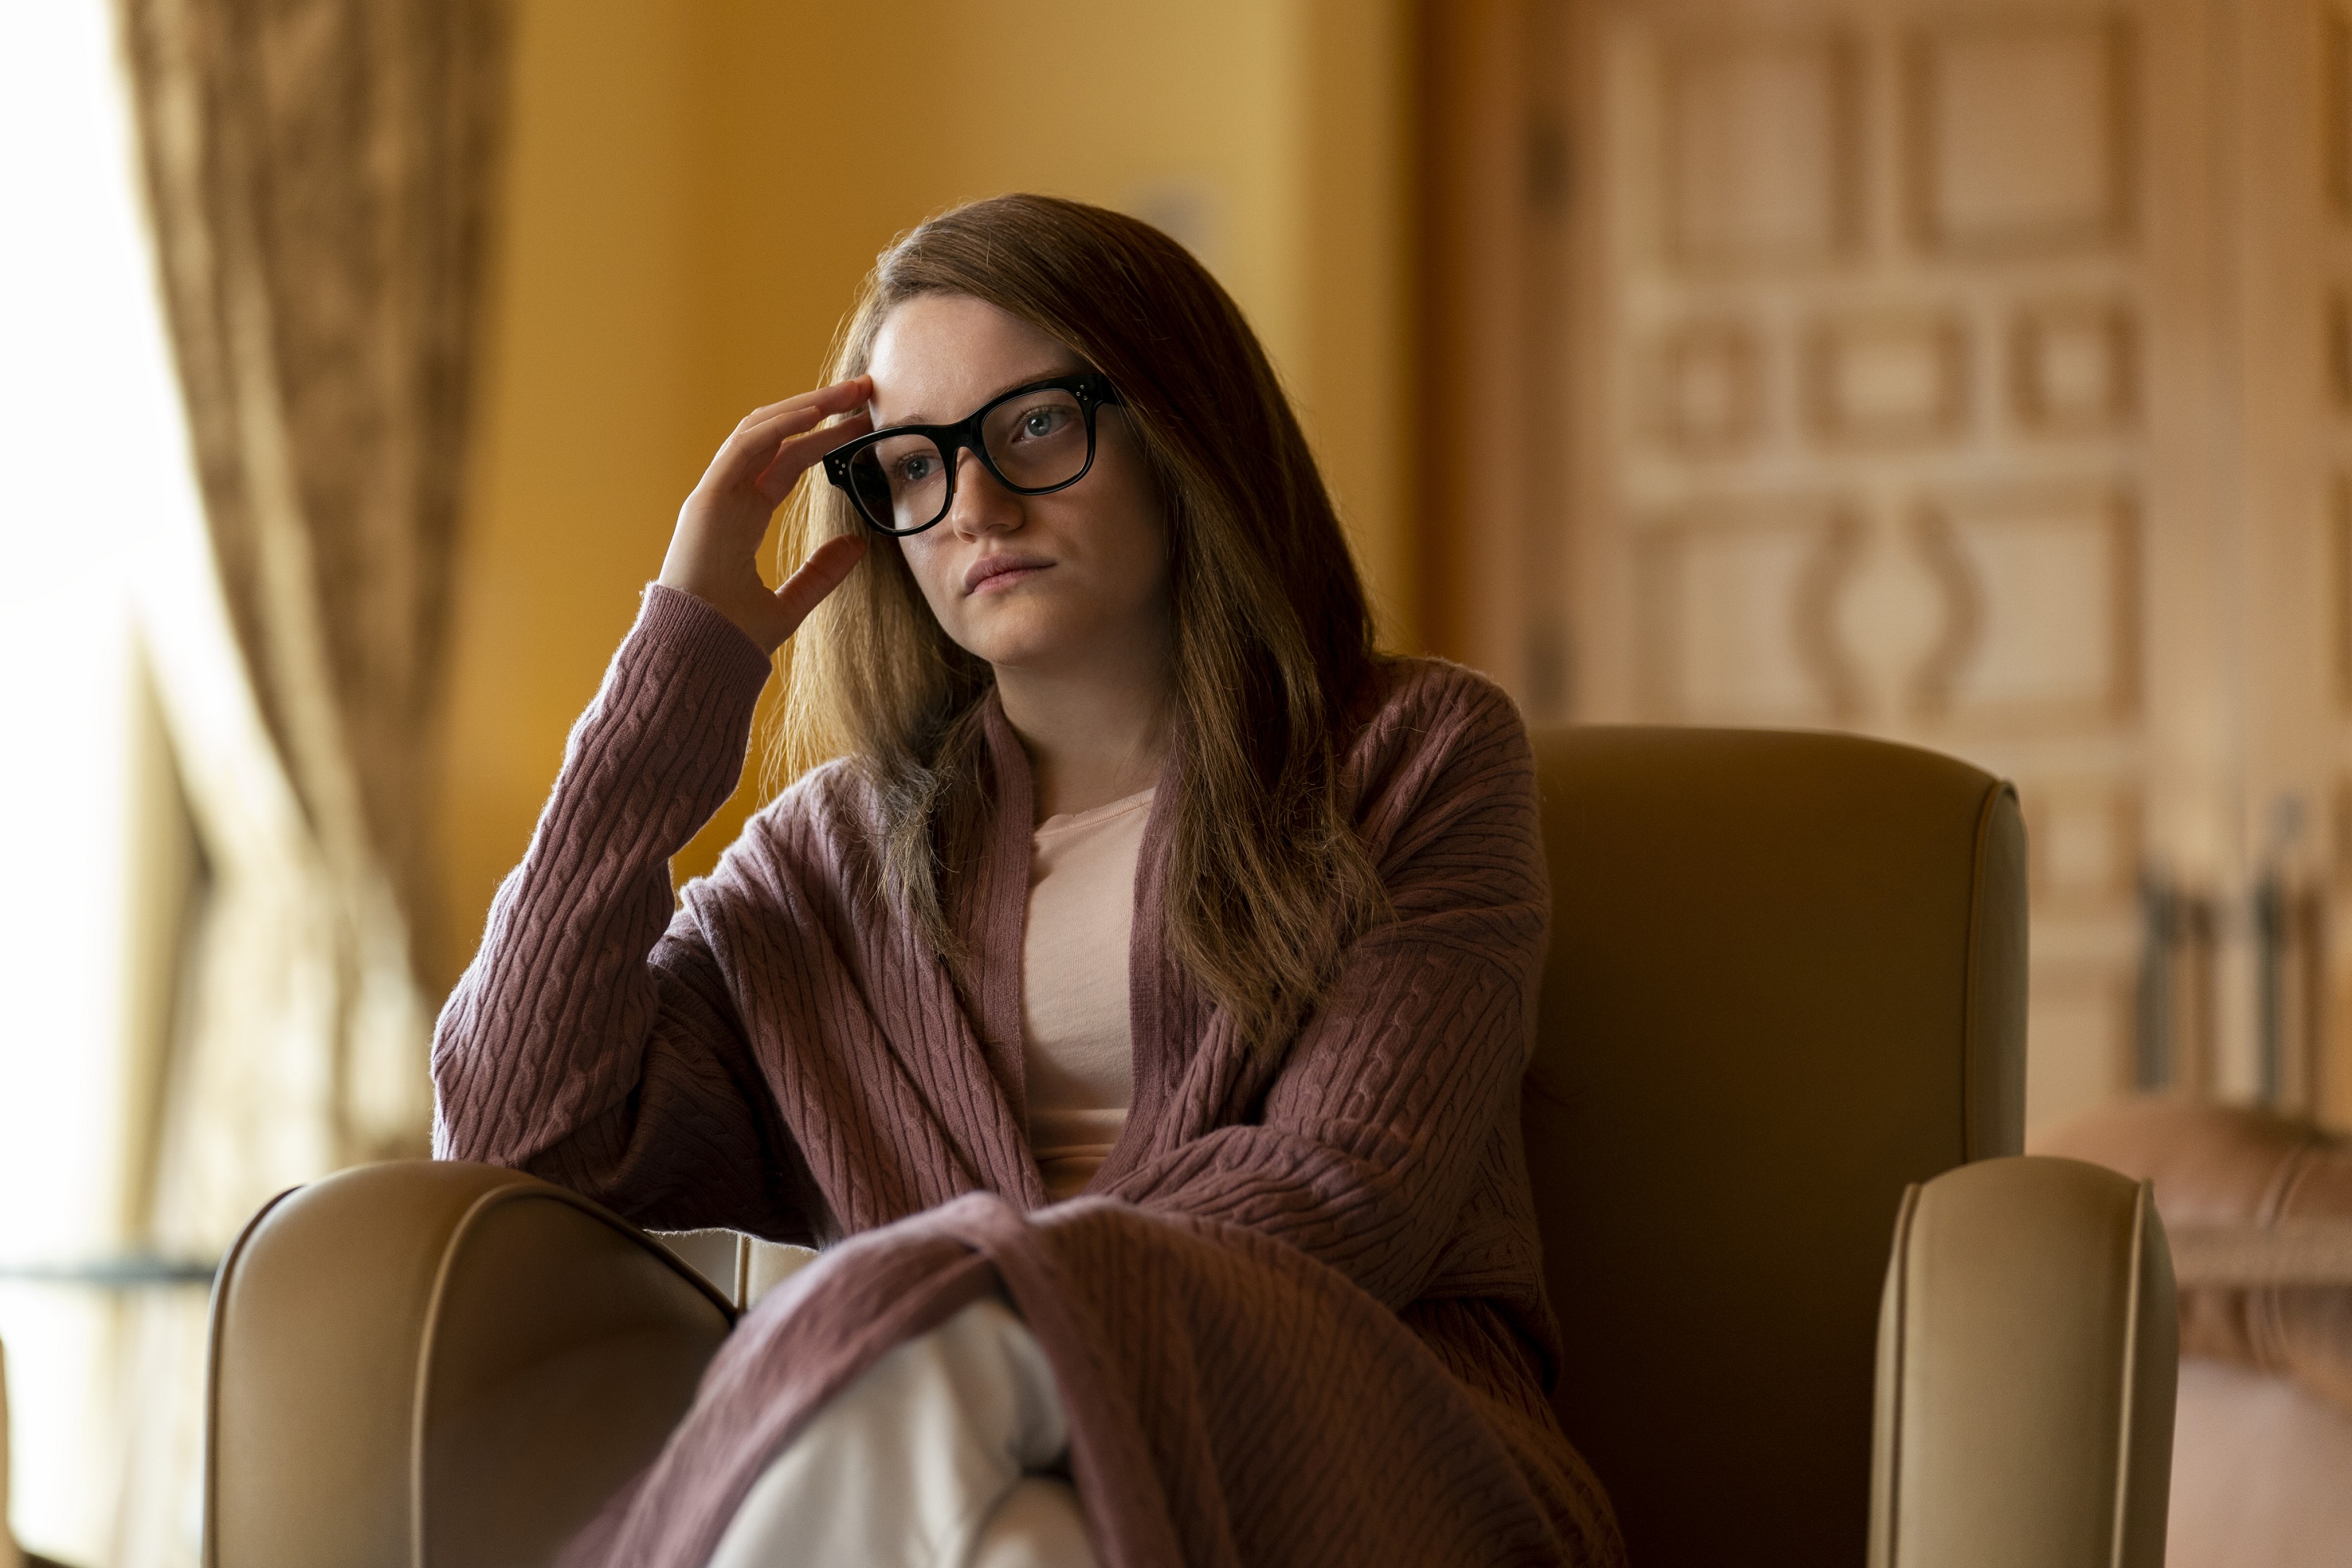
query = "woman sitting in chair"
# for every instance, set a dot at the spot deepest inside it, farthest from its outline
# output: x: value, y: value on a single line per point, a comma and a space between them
x: 1134, y: 1011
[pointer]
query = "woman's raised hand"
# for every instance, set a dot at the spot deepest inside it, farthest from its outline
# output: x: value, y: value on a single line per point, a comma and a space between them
x: 714, y: 554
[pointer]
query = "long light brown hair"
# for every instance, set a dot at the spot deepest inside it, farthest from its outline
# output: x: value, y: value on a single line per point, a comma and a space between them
x: 1273, y: 636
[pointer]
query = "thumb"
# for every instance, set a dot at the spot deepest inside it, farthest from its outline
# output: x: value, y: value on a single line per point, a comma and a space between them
x: 826, y: 568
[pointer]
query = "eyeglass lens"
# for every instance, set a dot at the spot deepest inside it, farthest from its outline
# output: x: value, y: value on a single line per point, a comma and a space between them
x: 1035, y: 441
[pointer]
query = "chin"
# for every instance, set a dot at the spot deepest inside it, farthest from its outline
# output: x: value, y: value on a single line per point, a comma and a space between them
x: 1017, y: 634
x: 1032, y: 648
x: 1006, y: 653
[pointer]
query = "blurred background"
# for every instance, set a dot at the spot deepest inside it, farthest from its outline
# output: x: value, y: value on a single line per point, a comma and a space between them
x: 1973, y: 373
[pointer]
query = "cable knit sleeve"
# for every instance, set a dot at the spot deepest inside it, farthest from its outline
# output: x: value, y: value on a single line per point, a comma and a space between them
x: 1391, y: 1102
x: 593, y: 1041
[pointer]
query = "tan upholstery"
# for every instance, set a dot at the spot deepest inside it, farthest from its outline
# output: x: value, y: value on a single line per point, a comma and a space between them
x: 2027, y: 1353
x: 716, y: 1255
x: 1786, y: 980
x: 1786, y: 983
x: 445, y: 1365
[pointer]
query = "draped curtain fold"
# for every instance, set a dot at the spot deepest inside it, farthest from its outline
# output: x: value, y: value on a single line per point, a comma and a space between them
x: 320, y: 176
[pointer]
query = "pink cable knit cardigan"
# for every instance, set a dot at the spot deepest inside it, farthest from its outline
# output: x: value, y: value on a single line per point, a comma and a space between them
x: 1298, y: 1316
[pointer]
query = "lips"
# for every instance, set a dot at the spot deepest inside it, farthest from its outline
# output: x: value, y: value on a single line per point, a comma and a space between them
x: 989, y: 567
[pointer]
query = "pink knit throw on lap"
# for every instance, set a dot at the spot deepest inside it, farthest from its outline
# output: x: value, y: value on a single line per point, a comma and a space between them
x: 1296, y: 1317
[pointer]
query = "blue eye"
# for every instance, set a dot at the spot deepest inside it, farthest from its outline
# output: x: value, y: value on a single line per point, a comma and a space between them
x: 1039, y: 423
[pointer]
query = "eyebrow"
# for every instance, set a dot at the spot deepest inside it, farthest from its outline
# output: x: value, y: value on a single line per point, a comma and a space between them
x: 1016, y: 384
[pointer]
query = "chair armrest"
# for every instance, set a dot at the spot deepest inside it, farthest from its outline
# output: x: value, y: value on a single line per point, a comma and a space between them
x: 436, y: 1362
x: 2028, y: 1356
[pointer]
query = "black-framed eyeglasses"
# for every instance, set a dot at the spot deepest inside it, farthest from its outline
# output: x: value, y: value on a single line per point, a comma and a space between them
x: 1036, y: 439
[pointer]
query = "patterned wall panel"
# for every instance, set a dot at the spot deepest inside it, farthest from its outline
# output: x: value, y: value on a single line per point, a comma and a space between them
x: 2047, y: 636
x: 2074, y: 367
x: 1708, y: 386
x: 1865, y: 447
x: 1886, y: 378
x: 2091, y: 1007
x: 2083, y: 839
x: 2332, y: 1065
x: 1761, y: 161
x: 2020, y: 135
x: 1734, y: 606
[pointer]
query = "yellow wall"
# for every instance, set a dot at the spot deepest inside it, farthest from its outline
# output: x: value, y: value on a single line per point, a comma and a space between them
x: 693, y: 191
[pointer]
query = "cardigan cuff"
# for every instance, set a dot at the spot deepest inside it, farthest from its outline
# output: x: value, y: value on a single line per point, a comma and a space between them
x: 696, y: 634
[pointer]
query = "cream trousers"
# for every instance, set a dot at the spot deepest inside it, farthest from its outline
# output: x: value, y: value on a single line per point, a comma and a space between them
x: 941, y: 1456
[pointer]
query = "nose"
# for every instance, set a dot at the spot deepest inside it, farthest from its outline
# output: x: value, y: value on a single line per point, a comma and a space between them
x: 981, y: 506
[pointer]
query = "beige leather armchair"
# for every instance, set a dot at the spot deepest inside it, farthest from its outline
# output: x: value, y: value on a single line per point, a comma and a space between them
x: 1783, y: 1022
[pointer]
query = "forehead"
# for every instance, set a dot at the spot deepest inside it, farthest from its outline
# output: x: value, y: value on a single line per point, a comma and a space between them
x: 939, y: 356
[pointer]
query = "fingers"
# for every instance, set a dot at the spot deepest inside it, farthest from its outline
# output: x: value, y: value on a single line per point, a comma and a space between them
x: 748, y: 450
x: 825, y: 569
x: 839, y: 398
x: 796, y: 453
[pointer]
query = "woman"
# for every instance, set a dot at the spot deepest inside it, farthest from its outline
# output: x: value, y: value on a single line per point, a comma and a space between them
x: 1134, y: 1012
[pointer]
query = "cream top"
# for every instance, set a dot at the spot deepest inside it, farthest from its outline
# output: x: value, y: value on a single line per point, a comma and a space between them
x: 1077, y: 1047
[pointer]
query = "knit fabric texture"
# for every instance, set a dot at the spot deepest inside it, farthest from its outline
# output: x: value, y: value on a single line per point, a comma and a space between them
x: 1297, y: 1315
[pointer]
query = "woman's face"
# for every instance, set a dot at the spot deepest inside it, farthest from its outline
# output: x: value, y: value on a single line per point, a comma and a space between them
x: 1087, y: 585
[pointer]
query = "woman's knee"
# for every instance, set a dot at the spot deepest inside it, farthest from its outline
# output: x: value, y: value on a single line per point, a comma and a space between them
x: 986, y: 1365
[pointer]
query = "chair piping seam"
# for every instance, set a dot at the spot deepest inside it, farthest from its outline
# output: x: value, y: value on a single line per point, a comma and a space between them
x: 1899, y: 1371
x: 425, y: 1338
x: 492, y: 1199
x: 1970, y: 1139
x: 2130, y: 1378
x: 210, y: 1552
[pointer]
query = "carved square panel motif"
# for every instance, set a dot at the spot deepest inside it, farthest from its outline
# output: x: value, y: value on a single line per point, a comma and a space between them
x: 2019, y: 134
x: 2083, y: 842
x: 2044, y: 633
x: 1761, y: 161
x: 1709, y: 380
x: 2074, y: 367
x: 1732, y: 613
x: 1887, y: 379
x: 2079, y: 1017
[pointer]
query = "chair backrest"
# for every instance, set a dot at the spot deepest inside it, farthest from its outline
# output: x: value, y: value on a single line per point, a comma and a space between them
x: 1787, y: 978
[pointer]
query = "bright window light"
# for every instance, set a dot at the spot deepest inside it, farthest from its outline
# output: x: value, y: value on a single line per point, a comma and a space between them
x: 93, y: 448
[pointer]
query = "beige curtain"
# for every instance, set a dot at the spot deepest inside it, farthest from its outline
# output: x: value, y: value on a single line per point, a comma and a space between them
x: 321, y: 179
x: 320, y: 174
